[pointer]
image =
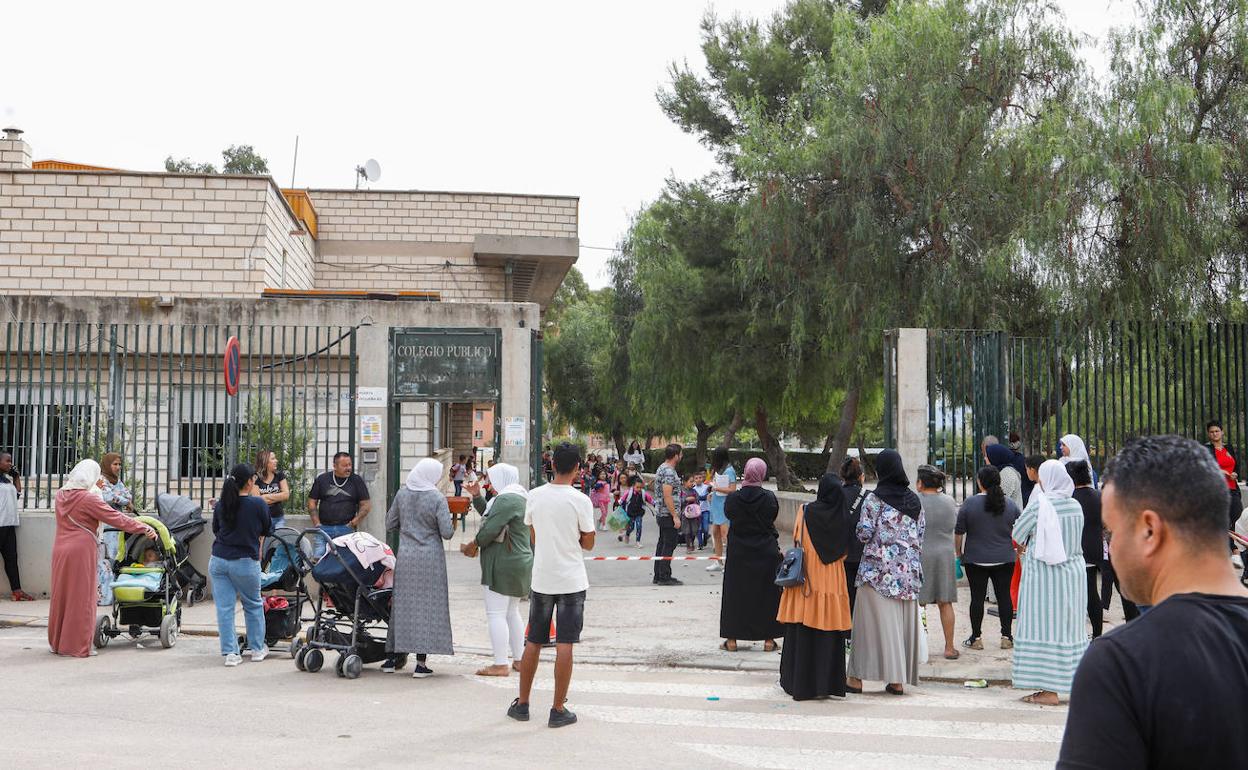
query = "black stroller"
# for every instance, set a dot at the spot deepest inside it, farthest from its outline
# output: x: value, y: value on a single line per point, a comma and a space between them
x: 283, y: 573
x: 355, y: 619
x: 184, y: 519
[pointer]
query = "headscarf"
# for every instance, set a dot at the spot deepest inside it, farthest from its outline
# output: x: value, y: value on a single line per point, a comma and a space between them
x: 828, y: 521
x: 1055, y: 484
x: 84, y: 476
x: 755, y: 473
x: 1000, y: 456
x: 506, y: 480
x: 425, y: 476
x: 107, y: 462
x: 894, y: 485
x: 1077, y: 450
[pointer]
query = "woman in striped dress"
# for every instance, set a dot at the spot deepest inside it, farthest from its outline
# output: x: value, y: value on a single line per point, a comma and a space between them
x: 1050, y: 637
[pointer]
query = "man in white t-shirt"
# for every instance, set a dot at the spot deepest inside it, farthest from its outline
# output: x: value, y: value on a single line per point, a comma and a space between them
x: 562, y: 522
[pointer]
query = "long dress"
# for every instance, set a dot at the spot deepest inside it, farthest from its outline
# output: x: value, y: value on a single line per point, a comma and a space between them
x: 751, y: 597
x: 1050, y: 638
x: 940, y: 516
x: 420, y: 620
x: 75, y: 557
x: 887, y: 641
x: 817, y: 619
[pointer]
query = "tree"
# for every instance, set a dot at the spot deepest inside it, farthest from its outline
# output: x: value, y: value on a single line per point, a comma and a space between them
x: 570, y: 292
x: 243, y: 159
x: 239, y: 159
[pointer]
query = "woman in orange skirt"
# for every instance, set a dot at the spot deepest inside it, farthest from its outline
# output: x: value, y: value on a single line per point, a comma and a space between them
x: 816, y: 615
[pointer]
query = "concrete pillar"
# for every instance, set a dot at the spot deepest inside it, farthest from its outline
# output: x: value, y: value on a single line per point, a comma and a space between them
x: 372, y: 344
x: 516, y: 396
x: 912, y: 433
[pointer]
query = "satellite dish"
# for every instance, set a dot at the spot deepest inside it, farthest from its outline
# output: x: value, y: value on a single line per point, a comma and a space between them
x: 371, y: 170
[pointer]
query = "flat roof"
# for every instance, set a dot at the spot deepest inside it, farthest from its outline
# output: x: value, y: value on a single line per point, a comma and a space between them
x: 435, y: 192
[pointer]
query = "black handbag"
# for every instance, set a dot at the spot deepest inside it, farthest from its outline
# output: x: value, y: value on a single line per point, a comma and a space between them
x: 792, y: 570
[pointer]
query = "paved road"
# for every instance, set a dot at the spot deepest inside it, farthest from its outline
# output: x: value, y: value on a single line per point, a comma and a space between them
x: 133, y: 706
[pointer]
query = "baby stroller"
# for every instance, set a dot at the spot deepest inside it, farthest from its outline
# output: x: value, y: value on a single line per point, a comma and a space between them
x: 283, y: 568
x: 185, y: 520
x: 145, y: 596
x: 355, y: 620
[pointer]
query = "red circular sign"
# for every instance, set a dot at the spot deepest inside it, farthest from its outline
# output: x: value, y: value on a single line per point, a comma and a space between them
x: 232, y: 366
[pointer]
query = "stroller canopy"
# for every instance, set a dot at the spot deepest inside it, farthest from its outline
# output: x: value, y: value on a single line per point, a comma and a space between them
x: 181, y: 514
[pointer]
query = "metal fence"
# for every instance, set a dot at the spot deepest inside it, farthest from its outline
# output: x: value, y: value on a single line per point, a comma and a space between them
x: 154, y: 393
x: 1104, y: 384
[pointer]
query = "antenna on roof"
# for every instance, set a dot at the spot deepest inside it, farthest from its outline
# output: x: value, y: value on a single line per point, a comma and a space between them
x: 371, y: 171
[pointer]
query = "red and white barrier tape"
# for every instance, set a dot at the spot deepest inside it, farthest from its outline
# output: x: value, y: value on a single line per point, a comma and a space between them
x: 654, y: 558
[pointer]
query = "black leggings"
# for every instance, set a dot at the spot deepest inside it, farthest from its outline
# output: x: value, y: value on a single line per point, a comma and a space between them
x: 1095, y: 611
x: 1109, y: 581
x: 978, y: 577
x: 8, y: 549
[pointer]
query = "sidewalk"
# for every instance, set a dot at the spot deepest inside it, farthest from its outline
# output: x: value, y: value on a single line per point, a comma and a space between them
x: 629, y: 621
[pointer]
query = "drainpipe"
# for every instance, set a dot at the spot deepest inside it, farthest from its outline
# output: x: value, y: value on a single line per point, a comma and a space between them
x: 508, y: 269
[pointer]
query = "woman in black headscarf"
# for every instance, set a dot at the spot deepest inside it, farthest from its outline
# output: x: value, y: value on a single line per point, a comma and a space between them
x: 817, y: 614
x: 887, y: 643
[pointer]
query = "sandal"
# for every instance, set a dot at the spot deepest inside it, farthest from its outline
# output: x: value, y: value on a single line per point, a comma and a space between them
x: 888, y: 688
x: 502, y: 670
x: 952, y: 655
x: 21, y: 596
x: 851, y: 689
x: 1035, y: 699
x: 515, y: 666
x: 724, y: 646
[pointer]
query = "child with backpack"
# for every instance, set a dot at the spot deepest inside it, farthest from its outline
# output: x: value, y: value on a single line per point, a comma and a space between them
x: 634, y: 502
x: 703, y: 491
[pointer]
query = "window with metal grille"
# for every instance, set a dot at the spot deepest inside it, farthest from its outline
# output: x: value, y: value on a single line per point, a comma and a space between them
x: 17, y: 434
x: 201, y: 449
x: 67, y: 430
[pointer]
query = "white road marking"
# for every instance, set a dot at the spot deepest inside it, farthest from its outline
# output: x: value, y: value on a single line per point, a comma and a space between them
x: 891, y: 727
x: 727, y: 693
x: 773, y: 757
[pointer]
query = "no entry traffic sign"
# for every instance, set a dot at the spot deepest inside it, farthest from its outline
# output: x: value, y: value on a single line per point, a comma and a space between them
x: 231, y: 366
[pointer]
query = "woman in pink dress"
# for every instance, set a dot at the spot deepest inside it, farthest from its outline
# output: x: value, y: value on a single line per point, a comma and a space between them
x: 79, y: 511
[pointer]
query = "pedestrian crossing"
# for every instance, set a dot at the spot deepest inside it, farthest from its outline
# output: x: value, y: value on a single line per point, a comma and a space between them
x: 753, y: 723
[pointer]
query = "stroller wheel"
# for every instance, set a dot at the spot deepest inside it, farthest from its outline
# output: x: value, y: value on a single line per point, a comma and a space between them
x: 197, y: 595
x: 313, y: 660
x: 168, y: 631
x: 352, y: 666
x: 338, y: 664
x: 299, y: 660
x: 295, y: 645
x: 102, y: 635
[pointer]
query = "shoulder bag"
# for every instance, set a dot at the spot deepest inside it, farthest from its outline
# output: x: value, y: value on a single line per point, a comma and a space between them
x: 792, y: 569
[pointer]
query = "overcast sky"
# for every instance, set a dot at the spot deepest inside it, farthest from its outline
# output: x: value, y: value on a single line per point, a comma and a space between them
x: 536, y: 97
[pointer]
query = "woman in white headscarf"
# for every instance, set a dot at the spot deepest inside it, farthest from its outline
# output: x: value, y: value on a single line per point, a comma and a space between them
x: 1072, y: 449
x: 506, y: 563
x: 420, y: 617
x: 1050, y: 637
x: 79, y: 511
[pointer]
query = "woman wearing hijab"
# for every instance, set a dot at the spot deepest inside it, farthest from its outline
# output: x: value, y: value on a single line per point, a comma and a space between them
x: 420, y: 621
x: 887, y: 641
x: 751, y: 597
x: 1071, y: 449
x: 1003, y: 459
x: 816, y: 615
x: 506, y: 564
x: 79, y: 511
x: 120, y: 498
x: 1049, y: 639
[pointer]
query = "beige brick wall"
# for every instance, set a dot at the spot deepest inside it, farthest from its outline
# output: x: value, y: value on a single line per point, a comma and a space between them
x: 463, y: 281
x: 14, y: 154
x: 299, y: 250
x: 142, y: 234
x: 434, y: 217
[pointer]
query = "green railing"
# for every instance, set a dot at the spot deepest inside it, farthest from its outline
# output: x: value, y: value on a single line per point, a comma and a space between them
x: 154, y: 393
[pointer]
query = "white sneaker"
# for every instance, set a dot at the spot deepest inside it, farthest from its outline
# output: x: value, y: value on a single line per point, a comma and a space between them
x: 260, y: 654
x: 714, y: 567
x: 638, y: 546
x: 233, y: 659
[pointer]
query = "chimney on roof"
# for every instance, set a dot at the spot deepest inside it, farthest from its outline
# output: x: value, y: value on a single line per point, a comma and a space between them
x: 14, y: 151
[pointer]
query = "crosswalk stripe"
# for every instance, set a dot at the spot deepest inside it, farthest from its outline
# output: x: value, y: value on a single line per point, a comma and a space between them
x: 727, y: 693
x: 774, y: 757
x: 892, y: 726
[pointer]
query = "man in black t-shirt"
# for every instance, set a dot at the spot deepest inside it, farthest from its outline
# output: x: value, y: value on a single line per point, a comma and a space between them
x: 339, y: 500
x: 1166, y: 690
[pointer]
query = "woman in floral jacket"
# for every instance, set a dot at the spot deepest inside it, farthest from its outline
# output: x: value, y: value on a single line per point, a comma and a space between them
x: 887, y: 639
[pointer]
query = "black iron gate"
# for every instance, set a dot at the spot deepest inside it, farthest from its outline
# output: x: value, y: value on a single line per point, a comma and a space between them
x: 1104, y: 384
x: 154, y: 394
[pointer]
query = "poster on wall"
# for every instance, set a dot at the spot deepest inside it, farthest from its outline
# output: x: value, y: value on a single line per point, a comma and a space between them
x: 515, y: 431
x: 370, y: 430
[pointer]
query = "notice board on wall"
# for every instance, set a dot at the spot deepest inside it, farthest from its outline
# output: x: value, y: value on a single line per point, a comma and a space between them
x: 445, y: 364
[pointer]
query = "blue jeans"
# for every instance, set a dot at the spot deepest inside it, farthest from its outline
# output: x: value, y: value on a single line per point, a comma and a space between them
x: 279, y: 521
x: 328, y: 532
x: 634, y: 522
x: 237, y: 578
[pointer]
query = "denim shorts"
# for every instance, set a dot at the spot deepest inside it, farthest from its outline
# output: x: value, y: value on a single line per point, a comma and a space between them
x: 569, y: 619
